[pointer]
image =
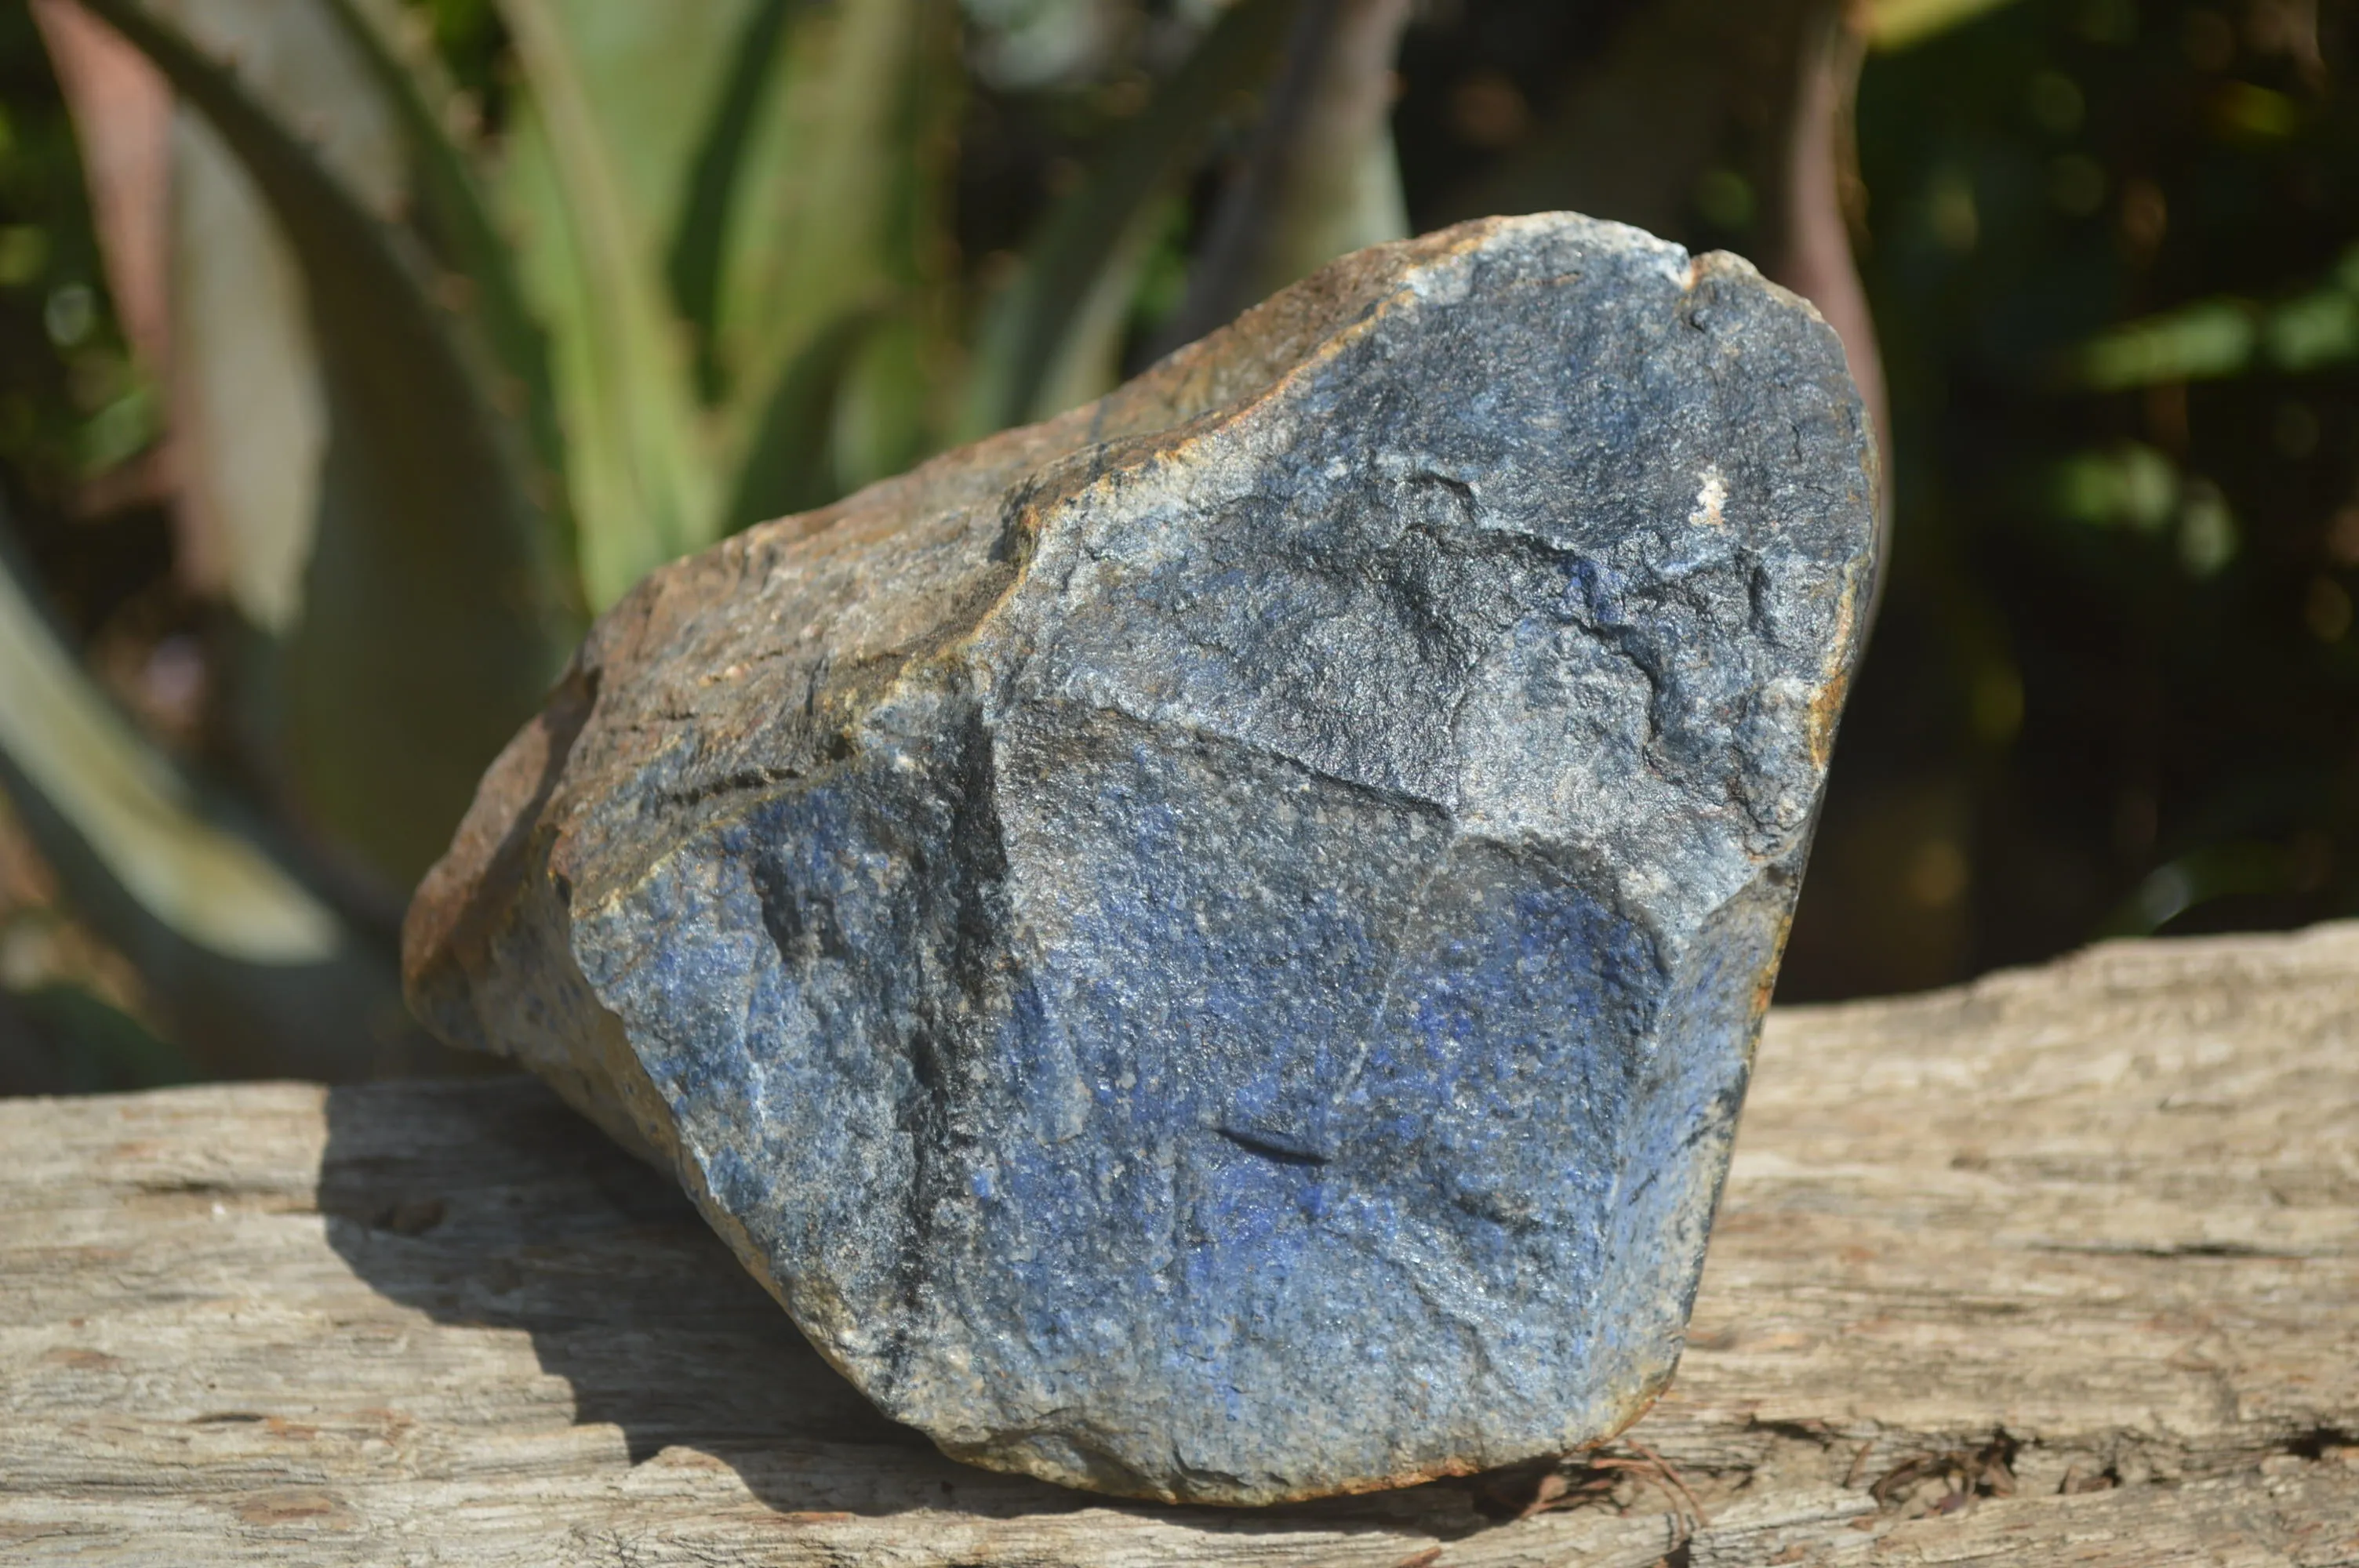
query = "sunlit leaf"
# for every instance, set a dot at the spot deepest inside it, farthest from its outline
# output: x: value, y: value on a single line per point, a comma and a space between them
x: 2246, y: 110
x: 2208, y: 534
x: 1897, y: 24
x: 842, y: 209
x: 730, y: 157
x: 2214, y: 871
x: 2214, y: 337
x: 212, y: 888
x: 651, y: 76
x: 433, y: 609
x: 2315, y: 330
x: 581, y: 176
x: 249, y: 405
x: 2131, y: 485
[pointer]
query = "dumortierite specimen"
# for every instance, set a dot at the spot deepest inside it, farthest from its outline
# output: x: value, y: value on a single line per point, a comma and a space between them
x: 1208, y: 948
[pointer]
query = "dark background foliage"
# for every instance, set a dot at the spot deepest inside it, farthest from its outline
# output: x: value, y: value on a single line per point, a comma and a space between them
x: 2081, y: 720
x: 2114, y: 685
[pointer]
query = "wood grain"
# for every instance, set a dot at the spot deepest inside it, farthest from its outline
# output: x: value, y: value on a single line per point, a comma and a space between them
x: 2060, y: 1267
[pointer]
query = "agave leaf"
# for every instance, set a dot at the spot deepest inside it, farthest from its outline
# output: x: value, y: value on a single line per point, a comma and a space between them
x: 454, y: 217
x: 840, y: 209
x: 78, y: 754
x: 1085, y: 356
x: 649, y: 73
x: 742, y: 144
x: 884, y: 416
x: 589, y: 158
x: 298, y: 64
x: 1053, y: 334
x: 788, y: 466
x: 254, y: 973
x: 192, y: 253
x: 121, y: 114
x: 434, y: 611
x: 248, y: 407
x: 811, y: 198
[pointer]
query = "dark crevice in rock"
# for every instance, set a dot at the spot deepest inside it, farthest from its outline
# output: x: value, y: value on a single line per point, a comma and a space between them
x: 1284, y: 1151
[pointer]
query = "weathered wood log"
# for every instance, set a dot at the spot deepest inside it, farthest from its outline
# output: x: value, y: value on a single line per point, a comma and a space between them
x: 2060, y: 1267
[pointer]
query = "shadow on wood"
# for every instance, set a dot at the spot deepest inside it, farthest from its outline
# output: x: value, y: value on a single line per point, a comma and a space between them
x: 494, y: 1205
x: 2059, y: 1267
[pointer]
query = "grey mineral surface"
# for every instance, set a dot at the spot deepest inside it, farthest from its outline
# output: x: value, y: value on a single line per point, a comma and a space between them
x: 1208, y: 948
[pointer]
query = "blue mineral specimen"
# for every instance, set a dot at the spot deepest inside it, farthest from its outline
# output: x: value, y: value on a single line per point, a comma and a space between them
x: 1208, y: 949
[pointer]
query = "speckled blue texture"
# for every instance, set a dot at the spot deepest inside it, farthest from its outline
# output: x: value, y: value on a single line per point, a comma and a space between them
x: 1238, y: 981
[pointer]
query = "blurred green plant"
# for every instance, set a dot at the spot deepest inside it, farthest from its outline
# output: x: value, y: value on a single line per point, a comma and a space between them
x: 443, y: 321
x: 439, y: 394
x: 2310, y: 329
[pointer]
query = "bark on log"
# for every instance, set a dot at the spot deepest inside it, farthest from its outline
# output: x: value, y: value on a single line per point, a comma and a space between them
x: 2060, y: 1267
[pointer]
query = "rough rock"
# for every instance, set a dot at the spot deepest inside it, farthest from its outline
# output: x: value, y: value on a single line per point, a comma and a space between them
x: 1210, y: 948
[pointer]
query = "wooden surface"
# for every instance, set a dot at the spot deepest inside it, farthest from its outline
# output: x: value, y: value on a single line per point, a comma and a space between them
x: 2059, y: 1268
